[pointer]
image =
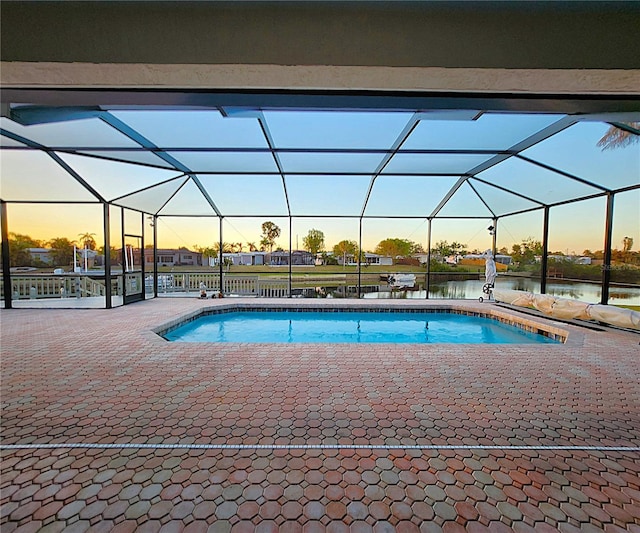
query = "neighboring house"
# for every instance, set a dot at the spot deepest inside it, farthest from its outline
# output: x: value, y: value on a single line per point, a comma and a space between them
x: 42, y: 255
x: 498, y: 258
x: 173, y: 257
x: 375, y: 259
x: 579, y: 260
x: 239, y: 258
x: 89, y: 258
x: 298, y: 258
x: 369, y: 259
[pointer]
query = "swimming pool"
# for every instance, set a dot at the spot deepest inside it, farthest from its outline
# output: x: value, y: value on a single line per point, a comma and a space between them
x: 342, y: 326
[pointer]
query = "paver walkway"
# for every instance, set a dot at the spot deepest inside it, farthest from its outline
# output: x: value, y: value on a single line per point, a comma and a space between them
x: 243, y: 437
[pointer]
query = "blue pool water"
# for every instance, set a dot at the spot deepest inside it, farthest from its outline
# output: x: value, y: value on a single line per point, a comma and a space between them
x: 350, y: 327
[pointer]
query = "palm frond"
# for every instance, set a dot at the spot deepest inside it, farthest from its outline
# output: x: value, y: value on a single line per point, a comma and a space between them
x: 619, y: 138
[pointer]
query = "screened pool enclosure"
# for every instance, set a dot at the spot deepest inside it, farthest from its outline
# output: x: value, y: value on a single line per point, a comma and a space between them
x: 147, y: 183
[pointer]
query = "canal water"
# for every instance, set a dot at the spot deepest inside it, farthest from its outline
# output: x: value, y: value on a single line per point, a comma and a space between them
x: 472, y: 289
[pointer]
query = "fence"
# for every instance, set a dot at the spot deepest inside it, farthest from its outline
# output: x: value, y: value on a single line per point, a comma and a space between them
x: 39, y: 286
x: 55, y: 286
x: 186, y: 282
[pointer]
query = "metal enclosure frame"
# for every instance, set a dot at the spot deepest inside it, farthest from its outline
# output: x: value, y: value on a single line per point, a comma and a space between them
x: 622, y: 106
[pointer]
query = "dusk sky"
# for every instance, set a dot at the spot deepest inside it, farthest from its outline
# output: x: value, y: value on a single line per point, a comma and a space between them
x: 28, y: 175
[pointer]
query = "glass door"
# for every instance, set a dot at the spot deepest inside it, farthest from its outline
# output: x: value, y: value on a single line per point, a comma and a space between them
x: 133, y: 269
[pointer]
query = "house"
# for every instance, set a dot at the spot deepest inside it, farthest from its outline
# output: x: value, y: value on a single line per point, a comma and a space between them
x: 375, y: 259
x: 369, y: 259
x: 498, y: 258
x: 298, y: 258
x: 239, y: 258
x: 173, y: 257
x: 41, y: 255
x: 578, y: 260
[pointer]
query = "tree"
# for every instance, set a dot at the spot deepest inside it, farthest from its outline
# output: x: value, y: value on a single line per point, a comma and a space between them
x: 459, y: 248
x: 394, y: 247
x: 208, y: 251
x: 62, y: 251
x: 270, y: 232
x: 345, y: 248
x: 252, y: 246
x: 213, y: 251
x: 314, y: 241
x: 328, y: 259
x: 444, y: 249
x: 18, y: 253
x: 113, y: 253
x: 87, y: 240
x: 619, y: 138
x: 627, y: 244
x: 227, y: 248
x: 525, y: 252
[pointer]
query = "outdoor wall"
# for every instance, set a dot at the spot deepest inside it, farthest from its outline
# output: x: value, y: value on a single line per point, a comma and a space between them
x: 559, y: 47
x: 398, y: 34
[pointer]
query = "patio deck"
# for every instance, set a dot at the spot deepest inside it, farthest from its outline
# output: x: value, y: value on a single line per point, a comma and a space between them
x: 128, y: 432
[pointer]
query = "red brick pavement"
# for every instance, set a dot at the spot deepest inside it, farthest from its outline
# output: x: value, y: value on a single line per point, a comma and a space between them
x: 98, y: 376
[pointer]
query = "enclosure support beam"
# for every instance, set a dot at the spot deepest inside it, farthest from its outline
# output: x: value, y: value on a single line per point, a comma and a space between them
x: 142, y: 259
x: 290, y: 255
x: 428, y: 280
x: 220, y: 266
x: 606, y: 267
x: 544, y: 261
x: 6, y: 262
x: 107, y: 256
x: 359, y: 254
x: 124, y: 256
x: 495, y: 236
x: 155, y: 256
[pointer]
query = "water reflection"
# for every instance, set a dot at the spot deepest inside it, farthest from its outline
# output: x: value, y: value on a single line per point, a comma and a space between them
x: 472, y: 289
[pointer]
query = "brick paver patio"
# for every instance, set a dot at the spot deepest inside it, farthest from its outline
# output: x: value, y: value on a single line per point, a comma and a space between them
x: 262, y: 437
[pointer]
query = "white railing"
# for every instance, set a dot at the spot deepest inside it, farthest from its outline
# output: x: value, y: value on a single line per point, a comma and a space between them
x: 273, y: 288
x: 241, y: 285
x: 55, y: 286
x: 80, y: 286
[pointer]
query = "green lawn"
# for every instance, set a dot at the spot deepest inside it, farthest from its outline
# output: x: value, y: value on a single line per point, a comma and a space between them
x: 324, y: 269
x: 632, y: 307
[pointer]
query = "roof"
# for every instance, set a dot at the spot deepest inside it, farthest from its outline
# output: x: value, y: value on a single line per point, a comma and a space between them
x: 301, y: 162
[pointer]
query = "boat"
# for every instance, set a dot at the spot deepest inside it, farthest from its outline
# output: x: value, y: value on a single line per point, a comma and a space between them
x: 401, y: 281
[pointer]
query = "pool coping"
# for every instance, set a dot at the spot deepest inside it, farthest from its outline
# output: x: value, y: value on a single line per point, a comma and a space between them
x: 545, y: 327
